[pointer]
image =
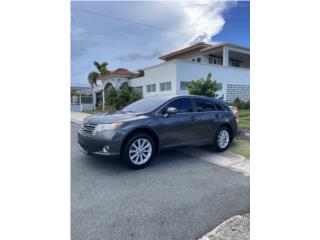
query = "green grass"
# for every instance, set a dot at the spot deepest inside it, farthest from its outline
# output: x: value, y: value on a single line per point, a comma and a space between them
x: 244, y: 113
x: 241, y: 147
x: 244, y: 118
x: 244, y: 122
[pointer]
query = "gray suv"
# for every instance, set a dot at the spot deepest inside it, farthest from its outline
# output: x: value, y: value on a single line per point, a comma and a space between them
x: 143, y: 128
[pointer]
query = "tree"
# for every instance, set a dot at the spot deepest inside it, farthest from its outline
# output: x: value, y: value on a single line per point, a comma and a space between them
x: 126, y: 95
x: 140, y: 72
x: 92, y: 78
x: 237, y: 101
x: 121, y: 97
x: 204, y: 87
x: 102, y: 68
x: 111, y: 96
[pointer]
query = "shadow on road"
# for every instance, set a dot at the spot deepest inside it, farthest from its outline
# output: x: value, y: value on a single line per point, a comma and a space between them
x: 164, y: 160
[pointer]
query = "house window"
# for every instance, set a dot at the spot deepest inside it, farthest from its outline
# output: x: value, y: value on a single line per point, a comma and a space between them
x: 215, y: 60
x: 235, y: 63
x: 165, y: 86
x: 151, y: 88
x: 139, y: 90
x: 183, y: 85
x: 196, y: 59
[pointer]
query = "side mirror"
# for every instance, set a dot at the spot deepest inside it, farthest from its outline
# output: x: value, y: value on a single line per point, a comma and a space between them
x: 170, y: 110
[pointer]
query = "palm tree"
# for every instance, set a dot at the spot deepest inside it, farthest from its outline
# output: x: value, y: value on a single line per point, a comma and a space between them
x: 102, y: 68
x: 92, y: 78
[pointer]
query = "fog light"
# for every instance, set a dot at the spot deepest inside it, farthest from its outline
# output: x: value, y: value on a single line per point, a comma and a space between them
x: 105, y: 149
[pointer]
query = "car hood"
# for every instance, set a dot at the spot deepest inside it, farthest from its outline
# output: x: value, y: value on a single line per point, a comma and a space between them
x: 112, y: 118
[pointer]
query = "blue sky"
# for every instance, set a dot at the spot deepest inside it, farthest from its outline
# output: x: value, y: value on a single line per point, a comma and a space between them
x: 134, y: 34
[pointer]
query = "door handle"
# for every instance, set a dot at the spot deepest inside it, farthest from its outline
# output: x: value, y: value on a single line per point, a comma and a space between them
x: 217, y: 115
x: 192, y: 118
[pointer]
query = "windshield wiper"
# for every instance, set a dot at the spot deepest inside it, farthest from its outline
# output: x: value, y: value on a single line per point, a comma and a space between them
x: 127, y: 111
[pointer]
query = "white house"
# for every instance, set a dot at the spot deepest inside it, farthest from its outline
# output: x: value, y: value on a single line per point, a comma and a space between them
x: 117, y: 78
x: 228, y: 63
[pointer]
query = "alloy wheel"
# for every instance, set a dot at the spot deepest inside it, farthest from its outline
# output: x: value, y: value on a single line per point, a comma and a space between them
x: 223, y: 139
x: 140, y: 151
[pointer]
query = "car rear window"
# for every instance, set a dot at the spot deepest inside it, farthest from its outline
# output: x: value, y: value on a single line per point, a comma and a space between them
x: 206, y: 105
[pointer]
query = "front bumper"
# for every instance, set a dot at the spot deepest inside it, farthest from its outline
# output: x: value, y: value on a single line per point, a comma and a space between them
x: 106, y: 144
x: 101, y: 153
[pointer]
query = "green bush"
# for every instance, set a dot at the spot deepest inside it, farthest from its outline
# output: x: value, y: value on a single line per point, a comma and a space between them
x: 244, y: 105
x: 204, y: 87
x: 240, y: 104
x: 119, y: 98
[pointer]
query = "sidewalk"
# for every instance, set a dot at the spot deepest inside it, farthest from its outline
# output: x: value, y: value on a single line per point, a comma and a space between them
x: 77, y: 117
x: 227, y: 159
x: 235, y: 228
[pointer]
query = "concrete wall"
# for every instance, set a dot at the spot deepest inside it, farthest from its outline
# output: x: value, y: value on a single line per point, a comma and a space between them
x: 176, y: 71
x: 164, y: 72
x: 82, y: 107
x: 187, y: 71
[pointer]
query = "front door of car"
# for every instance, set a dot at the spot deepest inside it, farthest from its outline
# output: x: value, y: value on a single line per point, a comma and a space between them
x: 178, y: 128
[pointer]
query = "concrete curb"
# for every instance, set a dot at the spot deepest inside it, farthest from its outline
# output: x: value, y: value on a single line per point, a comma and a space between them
x: 227, y: 159
x: 77, y: 117
x: 76, y: 121
x: 237, y: 227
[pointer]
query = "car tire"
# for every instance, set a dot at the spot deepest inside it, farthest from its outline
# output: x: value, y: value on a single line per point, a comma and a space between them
x: 138, y: 150
x: 222, y: 139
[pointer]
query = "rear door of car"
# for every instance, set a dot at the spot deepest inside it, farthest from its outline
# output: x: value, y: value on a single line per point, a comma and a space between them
x: 210, y: 116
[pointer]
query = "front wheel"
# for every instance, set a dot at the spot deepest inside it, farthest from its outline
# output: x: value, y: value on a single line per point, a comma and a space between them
x: 222, y: 139
x: 138, y: 150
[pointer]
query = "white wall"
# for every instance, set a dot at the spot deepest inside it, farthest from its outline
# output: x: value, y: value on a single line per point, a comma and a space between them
x: 164, y: 72
x: 187, y: 71
x: 180, y: 70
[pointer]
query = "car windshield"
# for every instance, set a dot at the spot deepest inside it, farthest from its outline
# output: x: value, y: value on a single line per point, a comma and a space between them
x: 145, y: 105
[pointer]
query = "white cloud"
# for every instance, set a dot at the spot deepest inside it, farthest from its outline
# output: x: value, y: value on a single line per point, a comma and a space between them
x: 205, y: 20
x: 125, y: 44
x: 201, y: 20
x: 134, y: 56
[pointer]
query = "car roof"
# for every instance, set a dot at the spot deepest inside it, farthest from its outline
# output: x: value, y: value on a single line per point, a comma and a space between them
x: 173, y: 96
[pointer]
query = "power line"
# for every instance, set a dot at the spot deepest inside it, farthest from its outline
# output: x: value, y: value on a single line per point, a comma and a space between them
x: 129, y: 21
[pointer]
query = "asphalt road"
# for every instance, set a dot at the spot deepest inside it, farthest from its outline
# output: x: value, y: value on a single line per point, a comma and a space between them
x: 175, y: 197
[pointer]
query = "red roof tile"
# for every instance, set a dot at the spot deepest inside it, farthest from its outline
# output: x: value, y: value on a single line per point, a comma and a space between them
x: 184, y: 50
x: 119, y: 71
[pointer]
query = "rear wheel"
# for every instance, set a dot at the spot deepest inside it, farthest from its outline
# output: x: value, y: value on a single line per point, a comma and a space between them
x: 138, y: 150
x: 222, y: 139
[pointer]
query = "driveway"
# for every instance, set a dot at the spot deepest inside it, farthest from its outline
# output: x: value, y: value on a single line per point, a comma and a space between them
x: 176, y: 197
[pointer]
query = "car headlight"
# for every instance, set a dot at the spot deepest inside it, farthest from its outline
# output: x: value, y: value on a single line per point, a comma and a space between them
x: 106, y: 127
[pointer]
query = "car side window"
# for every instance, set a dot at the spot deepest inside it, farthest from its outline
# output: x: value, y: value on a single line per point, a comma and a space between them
x: 204, y: 105
x: 183, y: 105
x: 219, y: 107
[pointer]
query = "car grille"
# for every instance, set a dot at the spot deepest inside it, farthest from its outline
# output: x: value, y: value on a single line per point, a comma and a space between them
x: 87, y: 129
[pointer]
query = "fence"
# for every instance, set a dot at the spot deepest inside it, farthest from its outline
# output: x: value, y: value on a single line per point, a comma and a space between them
x: 80, y: 103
